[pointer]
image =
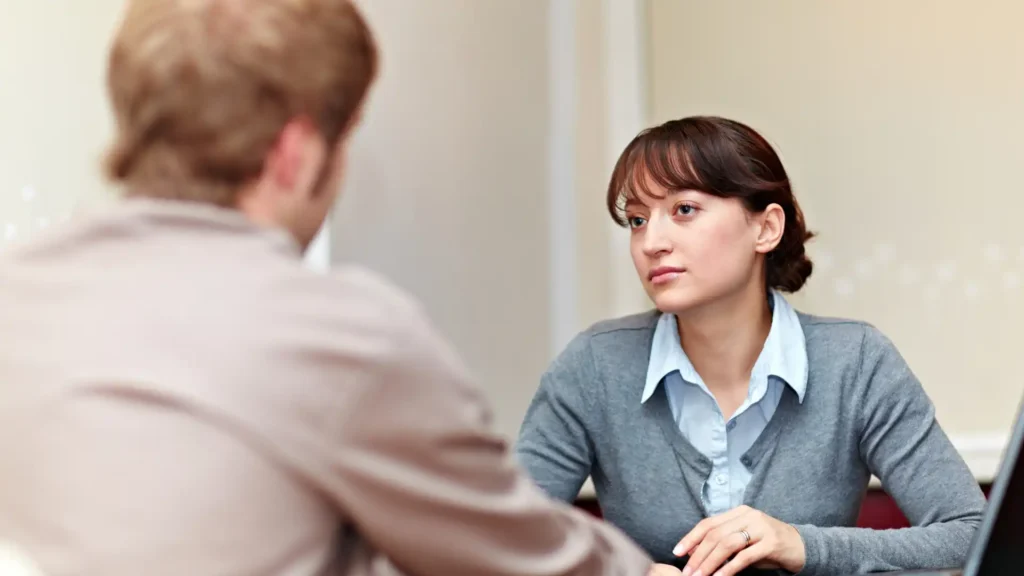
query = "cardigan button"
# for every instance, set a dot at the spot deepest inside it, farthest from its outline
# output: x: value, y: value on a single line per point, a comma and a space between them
x: 746, y: 461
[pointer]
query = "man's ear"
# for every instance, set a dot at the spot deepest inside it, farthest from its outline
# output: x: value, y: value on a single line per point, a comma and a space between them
x: 773, y: 224
x: 297, y: 156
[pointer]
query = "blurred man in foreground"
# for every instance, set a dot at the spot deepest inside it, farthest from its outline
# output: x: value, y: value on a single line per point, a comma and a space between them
x: 179, y: 395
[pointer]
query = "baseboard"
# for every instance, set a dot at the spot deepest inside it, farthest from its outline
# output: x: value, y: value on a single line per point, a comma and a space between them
x: 982, y: 452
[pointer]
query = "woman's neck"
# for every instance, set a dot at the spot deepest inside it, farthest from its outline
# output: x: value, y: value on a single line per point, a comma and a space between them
x: 723, y: 341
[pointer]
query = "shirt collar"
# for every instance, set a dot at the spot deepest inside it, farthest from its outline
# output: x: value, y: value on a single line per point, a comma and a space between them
x: 784, y: 354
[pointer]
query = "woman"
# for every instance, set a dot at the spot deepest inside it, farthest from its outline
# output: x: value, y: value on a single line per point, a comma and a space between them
x: 725, y: 426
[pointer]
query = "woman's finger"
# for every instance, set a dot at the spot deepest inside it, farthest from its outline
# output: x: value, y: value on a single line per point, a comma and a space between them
x: 727, y: 547
x: 748, y: 556
x: 695, y: 536
x: 711, y: 541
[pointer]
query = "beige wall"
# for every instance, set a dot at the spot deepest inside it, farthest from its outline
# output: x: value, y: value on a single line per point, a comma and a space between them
x: 611, y: 72
x: 53, y: 112
x: 900, y: 123
x: 596, y: 301
x: 447, y: 190
x: 451, y: 191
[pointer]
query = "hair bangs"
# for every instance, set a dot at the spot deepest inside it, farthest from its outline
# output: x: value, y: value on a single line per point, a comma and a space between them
x: 651, y: 166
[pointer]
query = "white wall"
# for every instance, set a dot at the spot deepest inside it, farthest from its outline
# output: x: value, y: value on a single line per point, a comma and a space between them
x: 900, y: 123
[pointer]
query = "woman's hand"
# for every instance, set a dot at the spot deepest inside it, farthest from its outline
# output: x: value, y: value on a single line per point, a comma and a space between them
x: 750, y: 537
x: 663, y: 570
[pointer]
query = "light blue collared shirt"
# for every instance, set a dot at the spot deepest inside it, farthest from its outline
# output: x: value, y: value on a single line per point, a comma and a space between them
x: 783, y: 361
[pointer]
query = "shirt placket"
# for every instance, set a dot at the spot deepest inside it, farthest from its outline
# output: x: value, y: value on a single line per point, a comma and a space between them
x: 719, y: 482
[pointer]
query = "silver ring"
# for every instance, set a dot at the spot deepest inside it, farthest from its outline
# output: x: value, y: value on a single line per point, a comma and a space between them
x: 746, y: 538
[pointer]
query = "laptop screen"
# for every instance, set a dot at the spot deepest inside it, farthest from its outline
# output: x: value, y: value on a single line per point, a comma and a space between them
x: 1001, y: 531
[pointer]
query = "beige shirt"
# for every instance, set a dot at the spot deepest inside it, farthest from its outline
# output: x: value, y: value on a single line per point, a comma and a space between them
x: 180, y: 395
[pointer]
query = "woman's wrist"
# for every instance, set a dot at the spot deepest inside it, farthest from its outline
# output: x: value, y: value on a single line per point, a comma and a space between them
x: 795, y: 557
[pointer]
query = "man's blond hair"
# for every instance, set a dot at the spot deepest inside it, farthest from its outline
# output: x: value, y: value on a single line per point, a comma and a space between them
x: 201, y: 88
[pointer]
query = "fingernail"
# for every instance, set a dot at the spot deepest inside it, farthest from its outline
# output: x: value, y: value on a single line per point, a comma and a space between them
x: 697, y: 573
x: 678, y: 551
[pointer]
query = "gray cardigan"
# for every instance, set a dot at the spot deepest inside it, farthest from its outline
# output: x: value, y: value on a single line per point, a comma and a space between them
x: 864, y: 413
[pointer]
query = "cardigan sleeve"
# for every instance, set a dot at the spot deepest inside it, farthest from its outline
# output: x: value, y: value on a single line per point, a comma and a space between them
x: 903, y: 445
x: 553, y: 444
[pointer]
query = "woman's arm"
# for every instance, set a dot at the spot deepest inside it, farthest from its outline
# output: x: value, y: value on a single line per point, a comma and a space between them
x: 904, y: 446
x: 553, y: 445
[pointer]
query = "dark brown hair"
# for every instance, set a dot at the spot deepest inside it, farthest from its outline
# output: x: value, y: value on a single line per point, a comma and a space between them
x: 720, y: 157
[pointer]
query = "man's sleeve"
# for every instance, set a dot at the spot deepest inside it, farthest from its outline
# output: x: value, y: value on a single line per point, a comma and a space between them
x: 426, y: 481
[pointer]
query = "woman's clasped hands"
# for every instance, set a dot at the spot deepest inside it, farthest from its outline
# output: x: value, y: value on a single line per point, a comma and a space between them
x: 725, y: 544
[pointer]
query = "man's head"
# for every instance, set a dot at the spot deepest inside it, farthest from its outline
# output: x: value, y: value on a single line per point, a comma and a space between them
x: 240, y: 103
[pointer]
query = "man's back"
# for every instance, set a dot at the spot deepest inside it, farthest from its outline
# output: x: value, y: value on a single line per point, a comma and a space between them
x: 179, y: 395
x: 147, y: 371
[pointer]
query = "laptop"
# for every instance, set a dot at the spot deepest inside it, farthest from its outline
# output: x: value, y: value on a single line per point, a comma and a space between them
x: 998, y: 546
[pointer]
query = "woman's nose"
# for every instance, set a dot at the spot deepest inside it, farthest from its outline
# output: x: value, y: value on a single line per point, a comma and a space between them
x: 655, y: 240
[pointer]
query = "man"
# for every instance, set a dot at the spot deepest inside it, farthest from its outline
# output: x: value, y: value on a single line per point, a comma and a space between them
x: 179, y: 395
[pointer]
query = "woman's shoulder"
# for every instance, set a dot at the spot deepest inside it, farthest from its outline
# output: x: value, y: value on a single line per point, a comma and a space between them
x: 852, y: 352
x: 626, y: 335
x: 842, y: 335
x: 632, y: 323
x: 611, y: 339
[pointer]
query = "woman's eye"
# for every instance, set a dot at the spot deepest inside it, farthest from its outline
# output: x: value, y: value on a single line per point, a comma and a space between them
x: 636, y: 222
x: 685, y: 210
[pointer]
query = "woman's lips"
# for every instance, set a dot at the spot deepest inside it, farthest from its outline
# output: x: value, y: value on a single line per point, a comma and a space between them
x: 664, y: 274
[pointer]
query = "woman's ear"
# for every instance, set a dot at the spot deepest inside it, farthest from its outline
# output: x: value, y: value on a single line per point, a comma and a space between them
x: 773, y: 224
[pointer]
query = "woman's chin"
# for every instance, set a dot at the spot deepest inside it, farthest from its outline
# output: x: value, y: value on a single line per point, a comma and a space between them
x: 676, y: 300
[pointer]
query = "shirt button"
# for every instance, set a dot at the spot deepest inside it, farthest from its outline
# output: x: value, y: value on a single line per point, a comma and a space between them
x: 720, y: 479
x: 730, y: 425
x: 745, y: 461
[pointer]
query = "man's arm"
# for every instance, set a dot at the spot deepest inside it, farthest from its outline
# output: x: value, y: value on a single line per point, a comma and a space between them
x: 426, y: 481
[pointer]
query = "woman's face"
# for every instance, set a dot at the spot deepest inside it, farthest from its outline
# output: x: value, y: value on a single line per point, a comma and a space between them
x: 691, y: 248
